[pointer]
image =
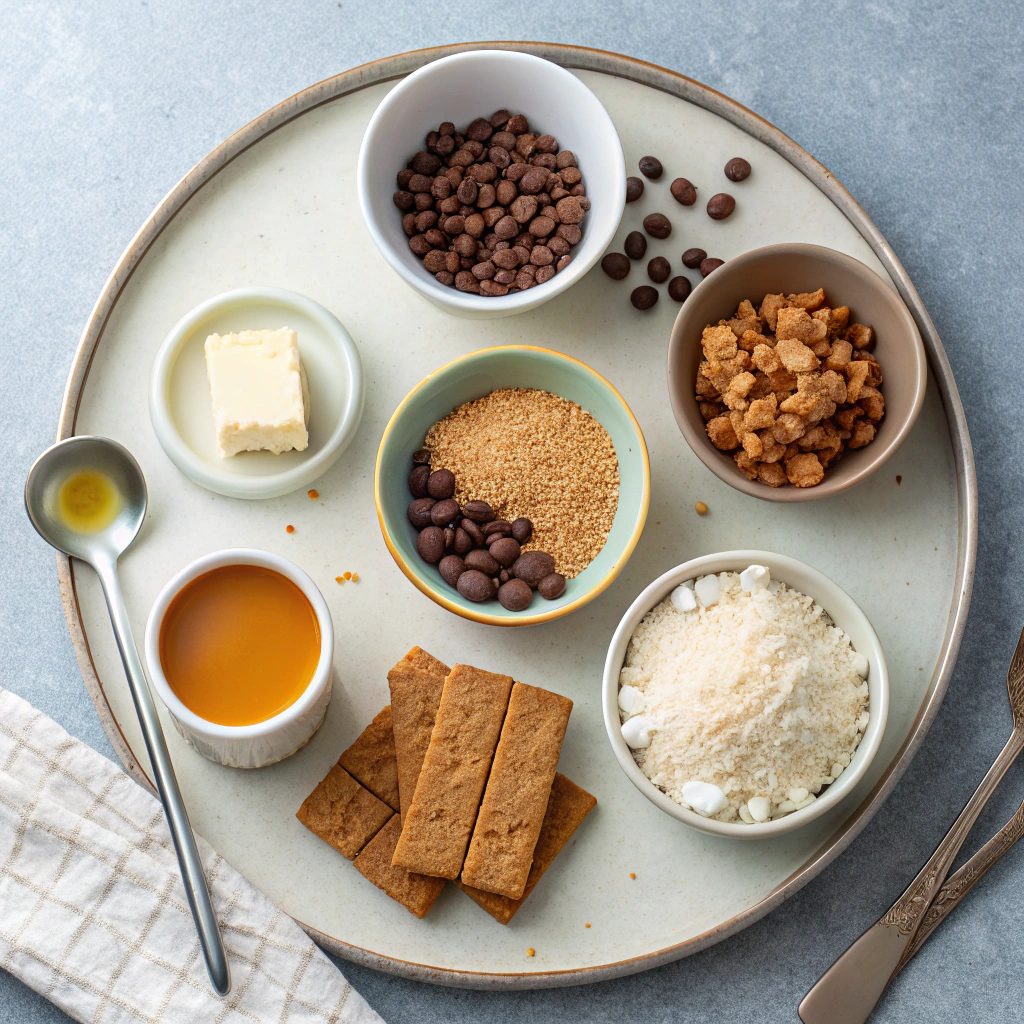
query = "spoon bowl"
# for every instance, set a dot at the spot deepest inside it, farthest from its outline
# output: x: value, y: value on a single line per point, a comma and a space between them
x: 56, y: 466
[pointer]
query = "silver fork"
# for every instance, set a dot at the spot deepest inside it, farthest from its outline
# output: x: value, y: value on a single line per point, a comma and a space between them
x: 848, y: 991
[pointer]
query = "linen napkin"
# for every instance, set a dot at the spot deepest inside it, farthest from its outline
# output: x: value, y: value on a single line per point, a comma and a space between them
x: 93, y: 914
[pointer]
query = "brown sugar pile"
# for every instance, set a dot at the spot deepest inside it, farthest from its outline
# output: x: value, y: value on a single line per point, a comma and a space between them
x: 530, y: 453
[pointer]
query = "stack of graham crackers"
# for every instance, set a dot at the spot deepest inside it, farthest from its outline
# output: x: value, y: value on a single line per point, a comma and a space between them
x: 455, y: 779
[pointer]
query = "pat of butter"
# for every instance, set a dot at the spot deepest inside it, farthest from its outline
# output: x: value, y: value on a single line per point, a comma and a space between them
x: 259, y: 390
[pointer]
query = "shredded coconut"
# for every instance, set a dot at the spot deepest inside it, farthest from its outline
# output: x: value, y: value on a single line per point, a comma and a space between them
x: 755, y: 691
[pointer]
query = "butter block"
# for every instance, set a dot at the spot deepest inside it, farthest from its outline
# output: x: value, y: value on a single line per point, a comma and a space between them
x: 259, y: 390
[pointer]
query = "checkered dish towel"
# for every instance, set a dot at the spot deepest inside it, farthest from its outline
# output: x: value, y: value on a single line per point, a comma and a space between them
x: 93, y: 914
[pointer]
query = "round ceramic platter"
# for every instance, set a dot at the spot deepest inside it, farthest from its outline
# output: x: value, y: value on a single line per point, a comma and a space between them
x: 275, y: 205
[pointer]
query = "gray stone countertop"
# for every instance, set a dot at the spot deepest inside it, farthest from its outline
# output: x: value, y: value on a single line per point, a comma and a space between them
x: 915, y: 105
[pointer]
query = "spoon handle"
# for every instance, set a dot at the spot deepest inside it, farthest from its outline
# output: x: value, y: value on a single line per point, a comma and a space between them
x: 196, y: 888
x: 848, y: 991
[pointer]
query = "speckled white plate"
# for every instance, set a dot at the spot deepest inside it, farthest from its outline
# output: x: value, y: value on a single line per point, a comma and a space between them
x: 276, y: 204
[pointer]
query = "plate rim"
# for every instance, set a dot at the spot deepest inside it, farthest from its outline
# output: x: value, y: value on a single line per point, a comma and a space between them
x: 664, y: 80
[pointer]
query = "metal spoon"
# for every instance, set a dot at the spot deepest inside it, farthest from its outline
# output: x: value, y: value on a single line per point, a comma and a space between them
x: 101, y: 549
x: 847, y: 992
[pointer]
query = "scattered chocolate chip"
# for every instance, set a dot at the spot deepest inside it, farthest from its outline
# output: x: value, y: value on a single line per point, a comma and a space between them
x: 650, y: 167
x: 706, y: 266
x: 444, y: 512
x: 478, y: 511
x: 515, y: 595
x: 679, y: 288
x: 657, y: 225
x: 418, y: 481
x: 430, y: 544
x: 552, y: 586
x: 483, y: 560
x: 441, y: 484
x: 683, y: 191
x: 475, y: 586
x: 721, y: 205
x: 635, y: 245
x: 658, y: 270
x: 419, y: 512
x: 692, y: 258
x: 737, y: 169
x: 451, y: 568
x: 615, y: 265
x: 644, y: 297
x: 634, y: 189
x: 522, y: 529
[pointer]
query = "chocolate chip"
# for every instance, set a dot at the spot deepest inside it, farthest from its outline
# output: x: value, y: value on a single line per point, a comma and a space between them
x: 659, y: 269
x: 683, y: 191
x: 737, y: 169
x: 474, y: 531
x: 522, y: 529
x: 451, y: 568
x: 449, y: 538
x: 497, y: 526
x: 475, y: 586
x: 482, y: 560
x: 657, y: 225
x: 692, y: 258
x: 444, y: 512
x: 679, y: 288
x: 421, y: 456
x: 418, y: 481
x: 419, y: 512
x: 506, y: 550
x: 515, y: 595
x: 635, y: 245
x: 441, y: 484
x: 644, y: 297
x: 463, y: 541
x: 615, y: 265
x: 720, y: 206
x: 552, y: 586
x: 650, y: 167
x: 532, y: 566
x: 634, y: 189
x: 430, y: 544
x: 499, y: 117
x: 478, y: 512
x: 706, y: 266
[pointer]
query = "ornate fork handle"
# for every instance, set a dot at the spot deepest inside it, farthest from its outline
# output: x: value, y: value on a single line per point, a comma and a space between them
x: 962, y: 881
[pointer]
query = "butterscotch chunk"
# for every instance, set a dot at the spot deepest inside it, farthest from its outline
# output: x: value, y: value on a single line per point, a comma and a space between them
x: 741, y: 326
x: 567, y: 806
x: 749, y: 340
x: 771, y: 450
x: 846, y: 417
x: 834, y: 386
x: 788, y: 427
x: 417, y: 893
x: 839, y: 356
x: 771, y: 473
x: 751, y: 444
x: 804, y: 470
x: 807, y: 300
x: 862, y: 433
x: 722, y: 435
x: 872, y: 402
x: 796, y: 356
x: 371, y: 759
x: 709, y: 410
x: 512, y: 811
x: 874, y: 377
x: 415, y: 696
x: 761, y: 413
x: 705, y: 389
x: 747, y: 465
x: 821, y: 348
x: 718, y: 343
x: 343, y: 813
x: 745, y: 310
x: 762, y: 387
x: 770, y: 306
x: 856, y: 377
x: 796, y: 325
x: 439, y: 822
x: 839, y: 319
x: 859, y: 335
x: 782, y: 381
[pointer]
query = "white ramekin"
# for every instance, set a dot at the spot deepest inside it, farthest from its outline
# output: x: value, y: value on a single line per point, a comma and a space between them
x: 475, y: 84
x: 844, y: 612
x: 246, y: 746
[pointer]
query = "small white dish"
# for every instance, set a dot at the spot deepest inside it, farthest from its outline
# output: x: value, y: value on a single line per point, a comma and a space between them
x: 179, y: 395
x: 476, y: 84
x: 844, y: 612
x: 246, y: 746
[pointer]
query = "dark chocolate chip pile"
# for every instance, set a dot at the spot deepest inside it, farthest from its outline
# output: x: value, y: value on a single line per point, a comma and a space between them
x: 495, y: 210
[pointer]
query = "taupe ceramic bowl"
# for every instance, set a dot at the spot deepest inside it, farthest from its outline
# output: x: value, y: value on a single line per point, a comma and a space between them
x: 791, y: 268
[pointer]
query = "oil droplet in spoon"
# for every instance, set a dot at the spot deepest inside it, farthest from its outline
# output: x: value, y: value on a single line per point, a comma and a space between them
x: 88, y: 501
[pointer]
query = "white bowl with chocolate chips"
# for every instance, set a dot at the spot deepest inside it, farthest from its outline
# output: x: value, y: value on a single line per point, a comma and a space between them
x: 491, y: 181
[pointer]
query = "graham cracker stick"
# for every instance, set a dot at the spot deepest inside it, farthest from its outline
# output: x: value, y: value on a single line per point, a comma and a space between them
x: 501, y: 850
x: 371, y: 760
x: 567, y: 807
x: 415, y: 696
x: 416, y: 657
x: 439, y: 822
x: 416, y: 893
x: 343, y: 813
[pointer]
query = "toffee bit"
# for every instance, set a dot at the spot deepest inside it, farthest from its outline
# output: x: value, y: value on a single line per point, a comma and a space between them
x: 314, y: 494
x: 587, y: 925
x: 702, y: 509
x: 338, y: 579
x: 632, y: 875
x: 355, y: 577
x: 530, y: 951
x: 289, y: 528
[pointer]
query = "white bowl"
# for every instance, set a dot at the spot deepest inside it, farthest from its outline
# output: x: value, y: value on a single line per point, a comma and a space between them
x: 246, y: 746
x: 475, y: 84
x: 181, y: 412
x: 844, y: 612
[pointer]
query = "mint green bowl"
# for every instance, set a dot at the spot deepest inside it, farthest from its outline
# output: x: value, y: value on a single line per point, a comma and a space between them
x: 478, y: 374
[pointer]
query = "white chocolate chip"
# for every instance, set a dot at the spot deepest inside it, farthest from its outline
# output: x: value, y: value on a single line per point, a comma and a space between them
x: 683, y: 599
x: 705, y: 797
x: 806, y: 802
x: 755, y: 577
x: 797, y: 794
x: 860, y: 665
x: 636, y: 731
x: 760, y: 807
x: 631, y: 700
x: 787, y: 807
x: 745, y: 814
x: 708, y: 590
x: 862, y: 722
